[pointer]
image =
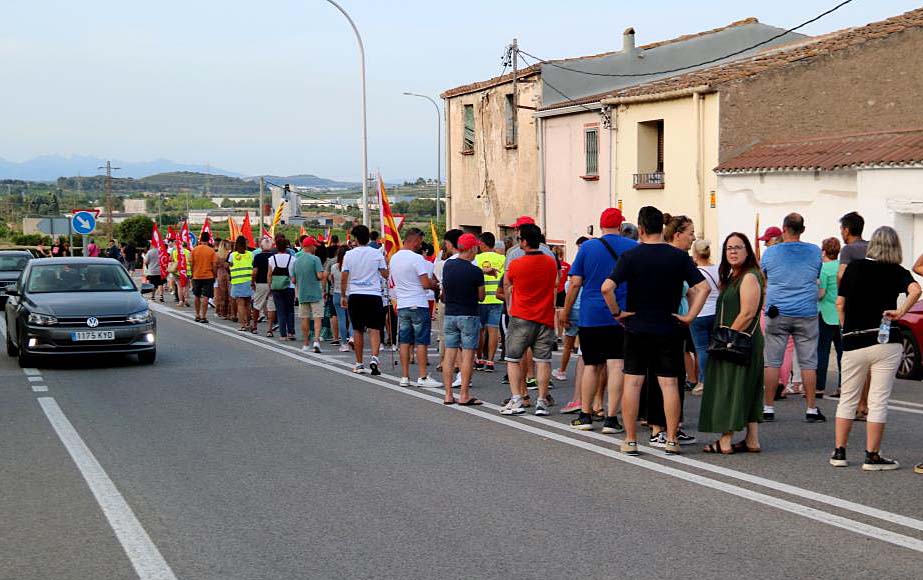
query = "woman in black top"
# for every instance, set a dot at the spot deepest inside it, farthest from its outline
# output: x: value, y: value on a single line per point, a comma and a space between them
x: 867, y: 302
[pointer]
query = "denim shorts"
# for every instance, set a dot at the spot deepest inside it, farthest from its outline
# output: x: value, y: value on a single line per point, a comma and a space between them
x: 573, y: 329
x: 490, y: 315
x: 413, y: 326
x: 241, y: 290
x: 462, y: 332
x: 802, y: 329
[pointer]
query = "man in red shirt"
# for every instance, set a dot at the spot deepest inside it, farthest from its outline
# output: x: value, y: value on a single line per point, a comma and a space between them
x: 530, y: 281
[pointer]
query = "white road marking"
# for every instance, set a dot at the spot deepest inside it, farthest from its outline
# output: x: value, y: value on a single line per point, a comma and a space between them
x: 906, y: 403
x: 904, y: 410
x: 39, y: 388
x: 3, y: 325
x: 785, y: 505
x: 32, y: 372
x: 143, y: 554
x: 35, y: 379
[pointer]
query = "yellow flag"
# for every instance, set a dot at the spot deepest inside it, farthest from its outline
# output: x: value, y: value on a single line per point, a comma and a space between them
x: 432, y: 227
x: 276, y: 218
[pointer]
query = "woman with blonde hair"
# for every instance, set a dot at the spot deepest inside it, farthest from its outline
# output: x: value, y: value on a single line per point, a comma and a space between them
x: 867, y: 308
x: 702, y: 326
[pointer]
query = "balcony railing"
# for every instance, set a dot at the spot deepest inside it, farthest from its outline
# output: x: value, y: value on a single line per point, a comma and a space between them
x: 649, y: 180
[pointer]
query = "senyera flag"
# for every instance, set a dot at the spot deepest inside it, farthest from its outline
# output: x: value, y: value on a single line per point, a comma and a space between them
x: 246, y: 230
x: 158, y: 242
x: 276, y: 218
x: 206, y: 228
x: 235, y: 229
x: 389, y: 232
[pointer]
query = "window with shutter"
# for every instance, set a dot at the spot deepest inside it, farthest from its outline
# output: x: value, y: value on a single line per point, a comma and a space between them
x: 468, y: 145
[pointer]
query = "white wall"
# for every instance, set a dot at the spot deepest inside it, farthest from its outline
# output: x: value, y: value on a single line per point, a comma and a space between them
x: 822, y: 198
x: 887, y: 196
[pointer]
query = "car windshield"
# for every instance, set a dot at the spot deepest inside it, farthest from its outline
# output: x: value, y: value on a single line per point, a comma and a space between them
x: 14, y: 263
x: 79, y: 278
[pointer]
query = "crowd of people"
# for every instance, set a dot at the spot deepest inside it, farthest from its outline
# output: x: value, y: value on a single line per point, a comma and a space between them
x: 646, y: 310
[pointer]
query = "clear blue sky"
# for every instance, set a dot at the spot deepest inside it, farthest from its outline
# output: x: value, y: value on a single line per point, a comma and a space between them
x: 271, y: 86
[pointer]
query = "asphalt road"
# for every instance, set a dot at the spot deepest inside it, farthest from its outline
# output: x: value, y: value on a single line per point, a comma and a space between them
x: 237, y: 457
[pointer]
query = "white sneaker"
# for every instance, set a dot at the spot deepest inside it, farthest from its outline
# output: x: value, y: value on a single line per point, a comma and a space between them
x: 457, y: 381
x: 428, y: 382
x: 405, y: 382
x: 316, y: 348
x: 304, y: 348
x: 344, y: 348
x: 360, y: 369
x: 541, y: 407
x: 559, y: 375
x: 514, y: 407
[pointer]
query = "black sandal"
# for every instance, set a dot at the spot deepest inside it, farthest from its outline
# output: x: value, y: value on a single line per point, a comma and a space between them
x: 742, y: 447
x: 715, y: 447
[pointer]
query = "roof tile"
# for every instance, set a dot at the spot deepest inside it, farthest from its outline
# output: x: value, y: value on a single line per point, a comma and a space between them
x: 903, y: 147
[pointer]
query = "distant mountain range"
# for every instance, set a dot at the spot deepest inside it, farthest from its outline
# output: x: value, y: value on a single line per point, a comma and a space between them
x: 307, y: 181
x: 51, y: 167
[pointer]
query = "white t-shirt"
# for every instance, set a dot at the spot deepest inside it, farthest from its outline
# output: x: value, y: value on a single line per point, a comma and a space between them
x: 406, y: 269
x: 430, y: 271
x: 363, y: 264
x: 276, y: 261
x: 711, y: 276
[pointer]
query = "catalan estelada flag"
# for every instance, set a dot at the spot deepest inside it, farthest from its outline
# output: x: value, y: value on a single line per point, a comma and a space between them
x: 391, y: 238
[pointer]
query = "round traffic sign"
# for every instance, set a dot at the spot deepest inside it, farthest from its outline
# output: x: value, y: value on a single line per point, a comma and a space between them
x: 83, y: 222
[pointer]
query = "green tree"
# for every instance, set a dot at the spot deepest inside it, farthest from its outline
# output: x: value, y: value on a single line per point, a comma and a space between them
x: 136, y: 229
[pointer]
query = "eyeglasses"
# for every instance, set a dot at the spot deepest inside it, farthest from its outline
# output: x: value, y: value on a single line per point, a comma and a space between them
x: 735, y: 248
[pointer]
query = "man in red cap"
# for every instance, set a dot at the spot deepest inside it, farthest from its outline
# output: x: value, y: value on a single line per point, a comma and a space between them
x: 771, y: 236
x: 462, y: 289
x: 309, y: 275
x: 601, y: 336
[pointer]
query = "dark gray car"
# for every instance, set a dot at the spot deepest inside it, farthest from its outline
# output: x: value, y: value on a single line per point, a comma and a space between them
x: 12, y: 263
x: 78, y: 306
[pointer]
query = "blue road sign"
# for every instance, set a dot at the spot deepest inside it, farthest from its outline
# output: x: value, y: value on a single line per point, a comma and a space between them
x: 84, y: 222
x: 193, y: 240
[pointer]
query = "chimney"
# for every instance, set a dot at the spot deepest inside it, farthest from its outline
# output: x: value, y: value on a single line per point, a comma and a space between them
x: 628, y: 40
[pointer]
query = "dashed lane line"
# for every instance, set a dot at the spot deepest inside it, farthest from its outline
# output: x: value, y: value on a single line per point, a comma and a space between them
x: 772, y: 501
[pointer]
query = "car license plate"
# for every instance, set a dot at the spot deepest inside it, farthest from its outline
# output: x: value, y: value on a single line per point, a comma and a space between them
x: 93, y: 335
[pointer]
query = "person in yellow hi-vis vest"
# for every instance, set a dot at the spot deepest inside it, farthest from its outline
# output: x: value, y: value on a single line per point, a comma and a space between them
x: 490, y: 307
x: 241, y: 281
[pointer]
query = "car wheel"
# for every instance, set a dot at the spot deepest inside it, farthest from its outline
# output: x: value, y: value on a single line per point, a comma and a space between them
x: 911, y: 367
x: 11, y: 349
x: 148, y: 357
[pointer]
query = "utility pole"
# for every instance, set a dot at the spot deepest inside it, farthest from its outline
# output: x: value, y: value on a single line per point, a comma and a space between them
x: 514, y: 56
x: 262, y: 188
x: 109, y: 169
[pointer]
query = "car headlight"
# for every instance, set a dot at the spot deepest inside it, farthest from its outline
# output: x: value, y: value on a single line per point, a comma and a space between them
x: 140, y: 317
x: 42, y: 319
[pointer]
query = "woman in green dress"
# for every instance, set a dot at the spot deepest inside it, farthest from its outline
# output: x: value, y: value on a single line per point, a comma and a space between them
x: 733, y: 396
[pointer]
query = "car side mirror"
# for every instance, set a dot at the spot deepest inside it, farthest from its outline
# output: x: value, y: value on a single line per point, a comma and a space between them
x: 147, y: 288
x: 11, y: 290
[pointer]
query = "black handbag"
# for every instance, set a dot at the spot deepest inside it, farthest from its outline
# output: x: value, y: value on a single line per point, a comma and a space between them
x: 732, y: 345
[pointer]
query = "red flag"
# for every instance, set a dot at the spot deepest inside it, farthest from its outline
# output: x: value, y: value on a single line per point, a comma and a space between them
x: 206, y: 228
x: 158, y: 242
x: 265, y: 234
x: 389, y: 231
x: 302, y: 232
x: 246, y: 230
x: 171, y: 235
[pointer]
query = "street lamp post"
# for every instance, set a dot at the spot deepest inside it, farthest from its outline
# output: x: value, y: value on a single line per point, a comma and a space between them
x: 365, y: 137
x: 438, y: 148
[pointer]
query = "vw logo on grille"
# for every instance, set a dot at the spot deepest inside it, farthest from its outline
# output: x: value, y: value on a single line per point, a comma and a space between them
x: 92, y: 322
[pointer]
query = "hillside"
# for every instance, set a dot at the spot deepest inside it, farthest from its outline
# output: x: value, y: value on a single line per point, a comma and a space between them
x: 307, y: 180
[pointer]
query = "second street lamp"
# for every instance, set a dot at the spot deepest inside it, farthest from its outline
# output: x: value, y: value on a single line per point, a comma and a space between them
x: 438, y: 149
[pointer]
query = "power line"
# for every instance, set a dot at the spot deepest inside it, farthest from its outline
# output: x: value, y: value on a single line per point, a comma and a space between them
x: 712, y: 61
x: 557, y: 90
